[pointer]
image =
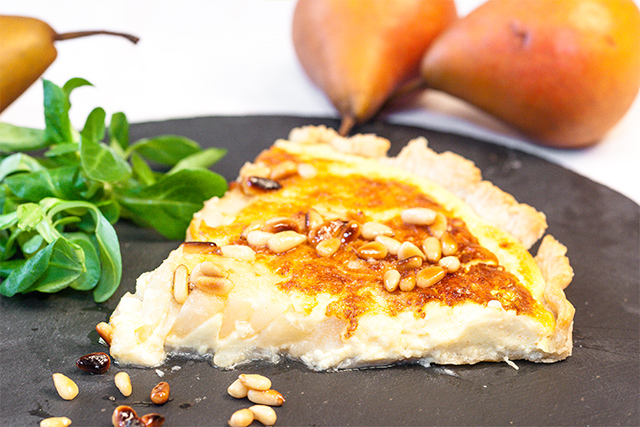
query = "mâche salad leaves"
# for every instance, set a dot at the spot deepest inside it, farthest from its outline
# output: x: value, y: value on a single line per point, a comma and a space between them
x: 58, y: 207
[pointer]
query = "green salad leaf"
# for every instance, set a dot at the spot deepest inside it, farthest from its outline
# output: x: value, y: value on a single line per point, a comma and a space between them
x: 57, y: 209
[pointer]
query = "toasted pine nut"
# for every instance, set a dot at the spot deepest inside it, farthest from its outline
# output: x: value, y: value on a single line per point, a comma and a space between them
x: 409, y: 263
x: 160, y: 393
x: 391, y: 280
x: 266, y: 415
x: 241, y: 418
x: 375, y: 250
x: 124, y: 415
x: 408, y: 250
x: 237, y: 389
x: 278, y: 224
x: 307, y: 171
x: 450, y: 263
x: 439, y: 226
x: 65, y: 386
x: 265, y: 397
x: 255, y: 382
x: 390, y: 243
x: 328, y: 247
x: 259, y: 238
x: 372, y: 229
x: 55, y: 422
x: 238, y: 252
x: 214, y: 285
x: 351, y: 231
x: 105, y: 331
x: 152, y: 420
x: 432, y: 249
x: 418, y: 216
x: 285, y: 240
x: 193, y: 248
x: 123, y: 383
x: 283, y: 170
x: 429, y: 276
x: 181, y: 284
x: 407, y: 283
x: 449, y: 244
x: 313, y: 219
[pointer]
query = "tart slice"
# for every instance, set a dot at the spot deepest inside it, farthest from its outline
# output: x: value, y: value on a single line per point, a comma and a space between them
x: 327, y: 251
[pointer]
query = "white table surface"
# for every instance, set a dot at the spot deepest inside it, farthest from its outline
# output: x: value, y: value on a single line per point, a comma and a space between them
x: 235, y: 57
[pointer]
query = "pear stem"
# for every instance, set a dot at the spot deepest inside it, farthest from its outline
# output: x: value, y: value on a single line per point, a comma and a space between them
x: 346, y: 125
x: 76, y: 34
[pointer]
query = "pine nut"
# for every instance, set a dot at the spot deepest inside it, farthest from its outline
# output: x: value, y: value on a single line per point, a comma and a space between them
x: 181, y: 284
x: 307, y: 171
x: 439, y: 226
x: 449, y: 244
x: 374, y: 250
x: 450, y: 263
x: 407, y: 283
x: 65, y: 386
x: 372, y: 229
x: 198, y: 248
x: 238, y: 252
x: 409, y: 263
x: 255, y: 382
x: 124, y: 416
x: 390, y: 243
x: 152, y: 420
x: 241, y: 418
x: 259, y: 238
x: 285, y: 240
x: 313, y: 219
x: 214, y: 285
x: 351, y: 232
x: 283, y: 170
x: 278, y: 224
x: 408, y: 250
x: 96, y: 363
x: 55, y: 422
x: 265, y: 397
x: 429, y: 276
x: 237, y: 389
x: 418, y: 216
x: 123, y: 383
x: 328, y: 247
x: 160, y: 393
x: 391, y: 280
x: 257, y: 184
x: 432, y: 249
x: 105, y: 331
x: 266, y: 415
x: 208, y: 268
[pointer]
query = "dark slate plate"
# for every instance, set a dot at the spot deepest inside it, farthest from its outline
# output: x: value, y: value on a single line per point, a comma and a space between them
x: 598, y: 385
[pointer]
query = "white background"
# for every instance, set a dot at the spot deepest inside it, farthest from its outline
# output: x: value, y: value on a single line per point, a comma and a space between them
x: 235, y: 57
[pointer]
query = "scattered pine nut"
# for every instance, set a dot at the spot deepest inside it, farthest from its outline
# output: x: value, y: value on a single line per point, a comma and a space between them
x: 65, y: 386
x: 55, y: 422
x: 105, y: 331
x: 266, y: 415
x: 255, y: 382
x: 123, y: 382
x: 181, y: 284
x: 160, y: 393
x: 241, y: 418
x: 266, y: 397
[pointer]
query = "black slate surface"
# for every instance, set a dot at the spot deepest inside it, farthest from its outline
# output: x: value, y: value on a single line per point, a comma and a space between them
x: 598, y: 385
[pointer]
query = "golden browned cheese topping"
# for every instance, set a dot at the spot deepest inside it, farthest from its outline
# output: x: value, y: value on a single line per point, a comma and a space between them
x: 354, y: 273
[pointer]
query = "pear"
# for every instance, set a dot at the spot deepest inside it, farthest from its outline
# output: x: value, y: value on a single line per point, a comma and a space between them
x: 26, y: 51
x: 359, y: 52
x: 563, y: 72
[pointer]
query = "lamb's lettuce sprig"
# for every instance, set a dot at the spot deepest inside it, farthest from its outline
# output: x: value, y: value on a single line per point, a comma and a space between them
x: 57, y: 207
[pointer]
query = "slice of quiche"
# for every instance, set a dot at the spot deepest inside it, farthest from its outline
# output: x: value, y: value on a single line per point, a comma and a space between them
x: 327, y: 251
